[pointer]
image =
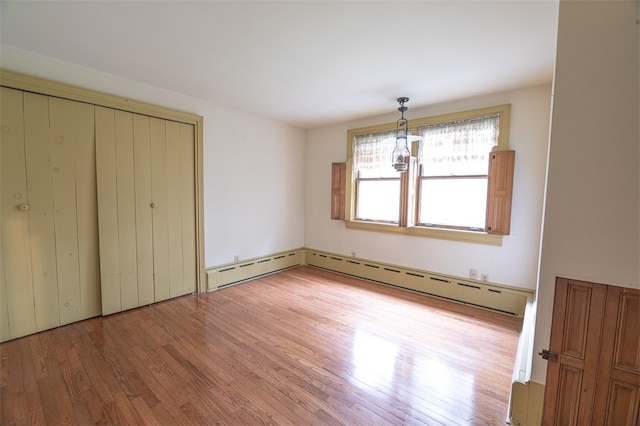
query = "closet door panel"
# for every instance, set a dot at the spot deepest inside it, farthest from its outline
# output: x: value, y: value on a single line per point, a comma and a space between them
x: 160, y: 213
x: 42, y: 226
x: 49, y: 236
x: 107, y: 210
x: 126, y: 210
x: 174, y: 208
x: 62, y: 165
x: 146, y: 170
x: 16, y: 280
x: 188, y: 203
x: 144, y: 229
x: 180, y: 208
x: 72, y: 148
x: 87, y: 214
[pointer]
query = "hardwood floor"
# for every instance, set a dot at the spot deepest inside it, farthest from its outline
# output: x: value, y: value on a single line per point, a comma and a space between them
x: 304, y: 346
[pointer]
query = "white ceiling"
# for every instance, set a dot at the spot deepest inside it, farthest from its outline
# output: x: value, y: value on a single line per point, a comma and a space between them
x: 308, y: 63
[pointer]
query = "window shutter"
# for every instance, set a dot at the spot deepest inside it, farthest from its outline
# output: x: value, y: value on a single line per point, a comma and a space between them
x: 338, y: 181
x: 499, y: 192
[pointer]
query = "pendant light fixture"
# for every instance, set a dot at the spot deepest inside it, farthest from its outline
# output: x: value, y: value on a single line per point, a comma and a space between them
x: 401, y: 152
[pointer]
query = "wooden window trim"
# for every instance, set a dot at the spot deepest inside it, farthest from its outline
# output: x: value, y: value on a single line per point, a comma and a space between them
x: 410, y: 228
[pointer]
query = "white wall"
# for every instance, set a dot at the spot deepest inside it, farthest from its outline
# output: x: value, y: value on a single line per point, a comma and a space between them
x: 253, y: 170
x: 592, y: 215
x: 515, y: 263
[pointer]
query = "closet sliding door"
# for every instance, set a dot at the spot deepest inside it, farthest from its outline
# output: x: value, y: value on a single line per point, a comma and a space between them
x: 48, y: 234
x: 146, y: 209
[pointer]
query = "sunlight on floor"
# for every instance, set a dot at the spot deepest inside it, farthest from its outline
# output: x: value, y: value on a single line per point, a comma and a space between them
x: 380, y: 367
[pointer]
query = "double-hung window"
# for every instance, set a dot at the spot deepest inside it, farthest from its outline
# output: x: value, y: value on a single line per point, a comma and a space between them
x: 446, y: 191
x: 454, y: 172
x: 377, y: 184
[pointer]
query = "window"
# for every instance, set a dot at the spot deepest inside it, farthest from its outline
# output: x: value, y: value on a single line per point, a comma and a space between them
x: 444, y: 194
x: 453, y: 178
x: 377, y: 184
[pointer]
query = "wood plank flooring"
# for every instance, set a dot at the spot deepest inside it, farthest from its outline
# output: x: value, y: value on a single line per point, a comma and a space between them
x: 304, y: 346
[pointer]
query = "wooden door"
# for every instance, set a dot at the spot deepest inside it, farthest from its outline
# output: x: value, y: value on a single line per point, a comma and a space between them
x: 618, y: 385
x: 146, y: 209
x: 48, y: 226
x: 575, y: 338
x: 594, y: 335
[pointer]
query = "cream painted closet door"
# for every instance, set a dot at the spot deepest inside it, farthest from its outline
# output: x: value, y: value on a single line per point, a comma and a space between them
x: 48, y: 235
x: 146, y: 209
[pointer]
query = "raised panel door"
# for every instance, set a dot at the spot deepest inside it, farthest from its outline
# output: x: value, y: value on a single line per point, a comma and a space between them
x: 618, y: 391
x: 575, y: 338
x: 595, y: 334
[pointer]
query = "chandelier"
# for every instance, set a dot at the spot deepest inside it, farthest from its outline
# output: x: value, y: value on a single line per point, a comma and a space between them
x: 401, y: 152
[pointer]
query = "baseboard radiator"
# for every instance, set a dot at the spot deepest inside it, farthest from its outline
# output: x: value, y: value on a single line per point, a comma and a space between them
x: 505, y: 299
x: 234, y: 273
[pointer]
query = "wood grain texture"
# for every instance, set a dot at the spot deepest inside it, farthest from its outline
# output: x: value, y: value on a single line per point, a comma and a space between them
x: 304, y: 346
x: 338, y: 184
x: 500, y: 192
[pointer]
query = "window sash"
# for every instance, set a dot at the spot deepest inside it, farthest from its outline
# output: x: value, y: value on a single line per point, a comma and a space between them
x: 465, y: 209
x: 369, y: 192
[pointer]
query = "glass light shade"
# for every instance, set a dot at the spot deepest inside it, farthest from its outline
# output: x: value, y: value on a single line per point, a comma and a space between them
x: 400, y: 154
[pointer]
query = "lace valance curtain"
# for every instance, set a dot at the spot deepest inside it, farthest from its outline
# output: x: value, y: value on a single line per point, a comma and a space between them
x: 372, y: 154
x: 460, y: 147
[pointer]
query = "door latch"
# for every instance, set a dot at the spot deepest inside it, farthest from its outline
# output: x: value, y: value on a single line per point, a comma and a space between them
x: 549, y: 356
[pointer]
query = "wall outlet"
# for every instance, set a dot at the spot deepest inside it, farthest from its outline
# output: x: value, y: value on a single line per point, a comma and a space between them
x: 484, y: 277
x: 473, y: 274
x: 353, y: 254
x: 236, y: 258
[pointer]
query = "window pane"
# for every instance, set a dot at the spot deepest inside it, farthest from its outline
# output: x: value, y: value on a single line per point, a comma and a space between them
x: 378, y: 200
x: 456, y: 202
